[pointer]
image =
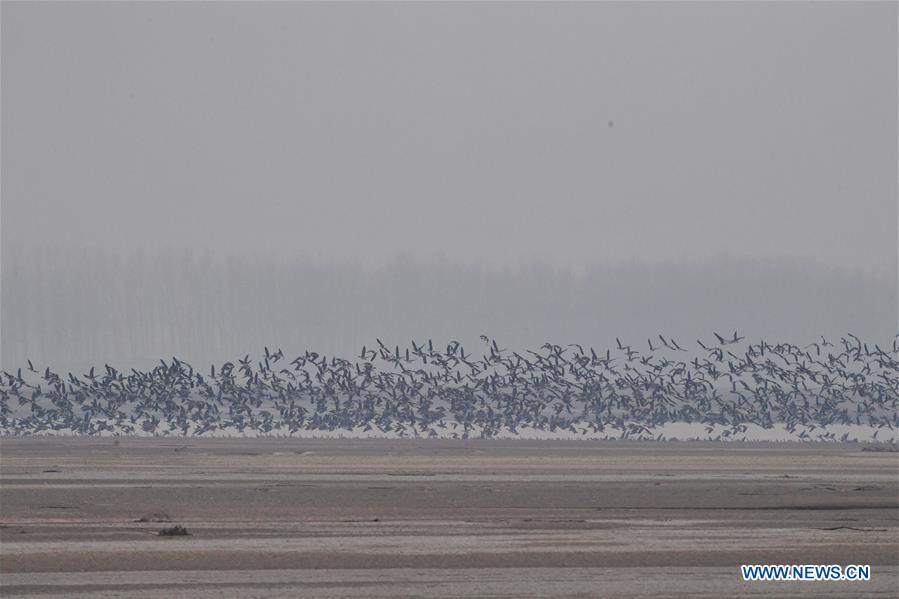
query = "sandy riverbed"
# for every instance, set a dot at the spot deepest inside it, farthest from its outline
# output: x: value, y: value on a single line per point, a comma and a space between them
x: 382, y: 518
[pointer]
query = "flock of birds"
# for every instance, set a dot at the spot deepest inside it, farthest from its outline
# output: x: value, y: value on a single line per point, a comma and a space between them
x: 431, y: 391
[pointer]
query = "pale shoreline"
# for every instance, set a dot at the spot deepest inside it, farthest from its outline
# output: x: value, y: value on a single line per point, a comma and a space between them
x: 671, y: 431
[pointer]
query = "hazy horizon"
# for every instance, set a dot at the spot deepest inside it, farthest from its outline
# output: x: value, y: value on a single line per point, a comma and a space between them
x: 77, y: 309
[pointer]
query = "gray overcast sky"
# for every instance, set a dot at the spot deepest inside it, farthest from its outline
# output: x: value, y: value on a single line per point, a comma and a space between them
x: 477, y: 131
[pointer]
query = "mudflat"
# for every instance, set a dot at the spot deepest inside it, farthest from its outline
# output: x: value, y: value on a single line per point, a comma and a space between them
x: 81, y: 517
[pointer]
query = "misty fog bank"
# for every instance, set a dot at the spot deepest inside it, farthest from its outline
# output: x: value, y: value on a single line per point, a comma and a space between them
x: 71, y: 309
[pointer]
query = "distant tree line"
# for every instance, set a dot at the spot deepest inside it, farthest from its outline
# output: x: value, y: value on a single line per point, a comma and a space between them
x: 70, y: 309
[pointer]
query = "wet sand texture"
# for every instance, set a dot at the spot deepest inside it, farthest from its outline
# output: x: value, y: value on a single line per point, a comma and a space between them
x: 381, y: 518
